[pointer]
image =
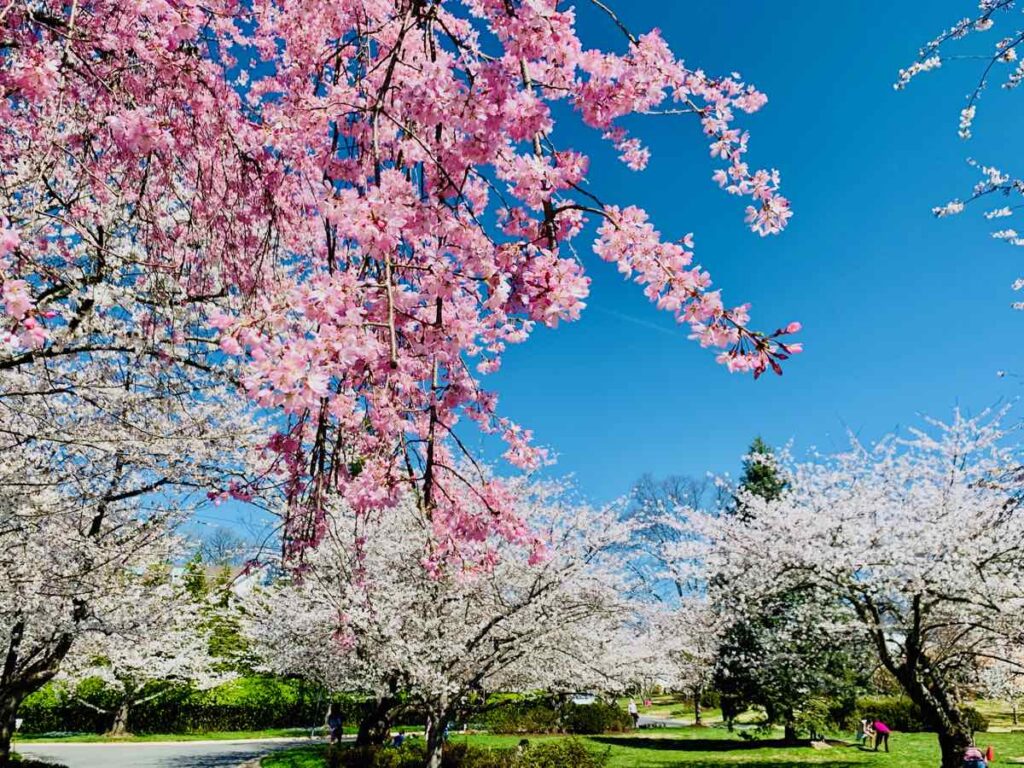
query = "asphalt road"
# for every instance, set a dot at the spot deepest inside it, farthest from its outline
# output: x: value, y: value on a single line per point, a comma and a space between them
x: 141, y: 754
x: 660, y: 722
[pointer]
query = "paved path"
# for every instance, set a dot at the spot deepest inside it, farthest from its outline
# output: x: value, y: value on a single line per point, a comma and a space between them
x: 646, y: 721
x: 143, y: 754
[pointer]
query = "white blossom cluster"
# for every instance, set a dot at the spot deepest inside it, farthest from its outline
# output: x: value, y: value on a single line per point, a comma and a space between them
x: 155, y: 637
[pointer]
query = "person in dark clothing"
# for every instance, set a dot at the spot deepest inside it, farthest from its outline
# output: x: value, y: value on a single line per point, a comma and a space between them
x: 334, y: 723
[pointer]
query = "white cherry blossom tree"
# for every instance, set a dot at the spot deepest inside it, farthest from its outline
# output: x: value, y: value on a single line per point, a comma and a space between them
x: 61, y: 578
x: 364, y: 613
x: 919, y: 539
x: 675, y: 646
x: 1003, y: 678
x: 102, y: 455
x: 156, y: 639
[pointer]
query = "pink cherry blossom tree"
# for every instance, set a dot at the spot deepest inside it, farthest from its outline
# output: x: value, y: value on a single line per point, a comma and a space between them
x: 998, y: 191
x: 361, y: 204
x: 917, y: 540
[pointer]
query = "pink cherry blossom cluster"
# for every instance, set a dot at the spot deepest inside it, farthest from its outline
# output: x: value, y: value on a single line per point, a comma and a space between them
x: 673, y: 284
x: 23, y: 330
x: 365, y: 205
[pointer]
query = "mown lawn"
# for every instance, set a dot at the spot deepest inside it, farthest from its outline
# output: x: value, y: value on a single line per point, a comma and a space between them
x: 714, y: 747
x: 300, y: 757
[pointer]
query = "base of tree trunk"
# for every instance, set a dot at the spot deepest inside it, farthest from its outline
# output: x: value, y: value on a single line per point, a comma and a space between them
x: 375, y: 727
x: 8, y: 711
x: 952, y: 746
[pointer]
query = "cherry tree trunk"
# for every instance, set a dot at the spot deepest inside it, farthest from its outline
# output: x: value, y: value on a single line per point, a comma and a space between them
x: 942, y: 713
x: 10, y: 700
x: 375, y: 726
x: 120, y: 724
x: 1016, y: 719
x: 435, y: 738
x: 789, y: 732
x: 698, y: 716
x: 953, y: 743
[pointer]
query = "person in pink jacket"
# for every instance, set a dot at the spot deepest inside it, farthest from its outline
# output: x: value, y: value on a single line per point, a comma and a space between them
x: 882, y: 732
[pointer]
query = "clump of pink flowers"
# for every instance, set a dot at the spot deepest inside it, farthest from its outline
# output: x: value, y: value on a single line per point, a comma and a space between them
x: 366, y: 200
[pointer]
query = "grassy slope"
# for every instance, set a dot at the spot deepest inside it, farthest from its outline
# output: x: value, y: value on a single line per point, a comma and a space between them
x: 714, y: 747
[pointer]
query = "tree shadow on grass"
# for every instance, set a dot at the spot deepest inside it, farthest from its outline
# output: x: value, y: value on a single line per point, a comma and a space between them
x: 697, y: 745
x: 836, y: 757
x: 768, y: 763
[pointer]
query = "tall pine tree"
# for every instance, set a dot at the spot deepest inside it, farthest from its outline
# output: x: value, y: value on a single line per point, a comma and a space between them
x: 760, y: 476
x: 777, y: 657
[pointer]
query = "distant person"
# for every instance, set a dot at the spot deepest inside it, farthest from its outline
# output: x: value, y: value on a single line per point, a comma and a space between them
x: 334, y: 723
x: 882, y: 732
x: 398, y: 740
x: 973, y: 758
x: 869, y: 733
x: 634, y: 713
x: 863, y: 727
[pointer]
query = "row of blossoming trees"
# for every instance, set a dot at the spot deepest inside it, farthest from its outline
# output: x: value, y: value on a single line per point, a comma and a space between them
x: 265, y: 252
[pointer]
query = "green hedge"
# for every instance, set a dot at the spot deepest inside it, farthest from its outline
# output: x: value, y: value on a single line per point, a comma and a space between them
x: 901, y: 714
x: 412, y: 754
x: 546, y: 715
x: 250, y: 703
x: 598, y: 717
x: 525, y: 716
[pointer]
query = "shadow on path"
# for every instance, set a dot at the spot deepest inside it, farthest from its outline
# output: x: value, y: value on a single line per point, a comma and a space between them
x: 155, y: 755
x: 214, y: 761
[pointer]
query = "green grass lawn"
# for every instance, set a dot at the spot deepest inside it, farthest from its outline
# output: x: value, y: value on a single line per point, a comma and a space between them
x: 270, y: 733
x: 300, y: 757
x: 714, y: 747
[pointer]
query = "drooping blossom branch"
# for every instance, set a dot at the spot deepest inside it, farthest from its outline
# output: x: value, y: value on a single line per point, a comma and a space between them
x: 1005, y: 57
x: 348, y: 211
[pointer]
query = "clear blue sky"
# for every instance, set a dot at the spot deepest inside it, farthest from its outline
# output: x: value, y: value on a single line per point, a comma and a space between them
x: 903, y: 314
